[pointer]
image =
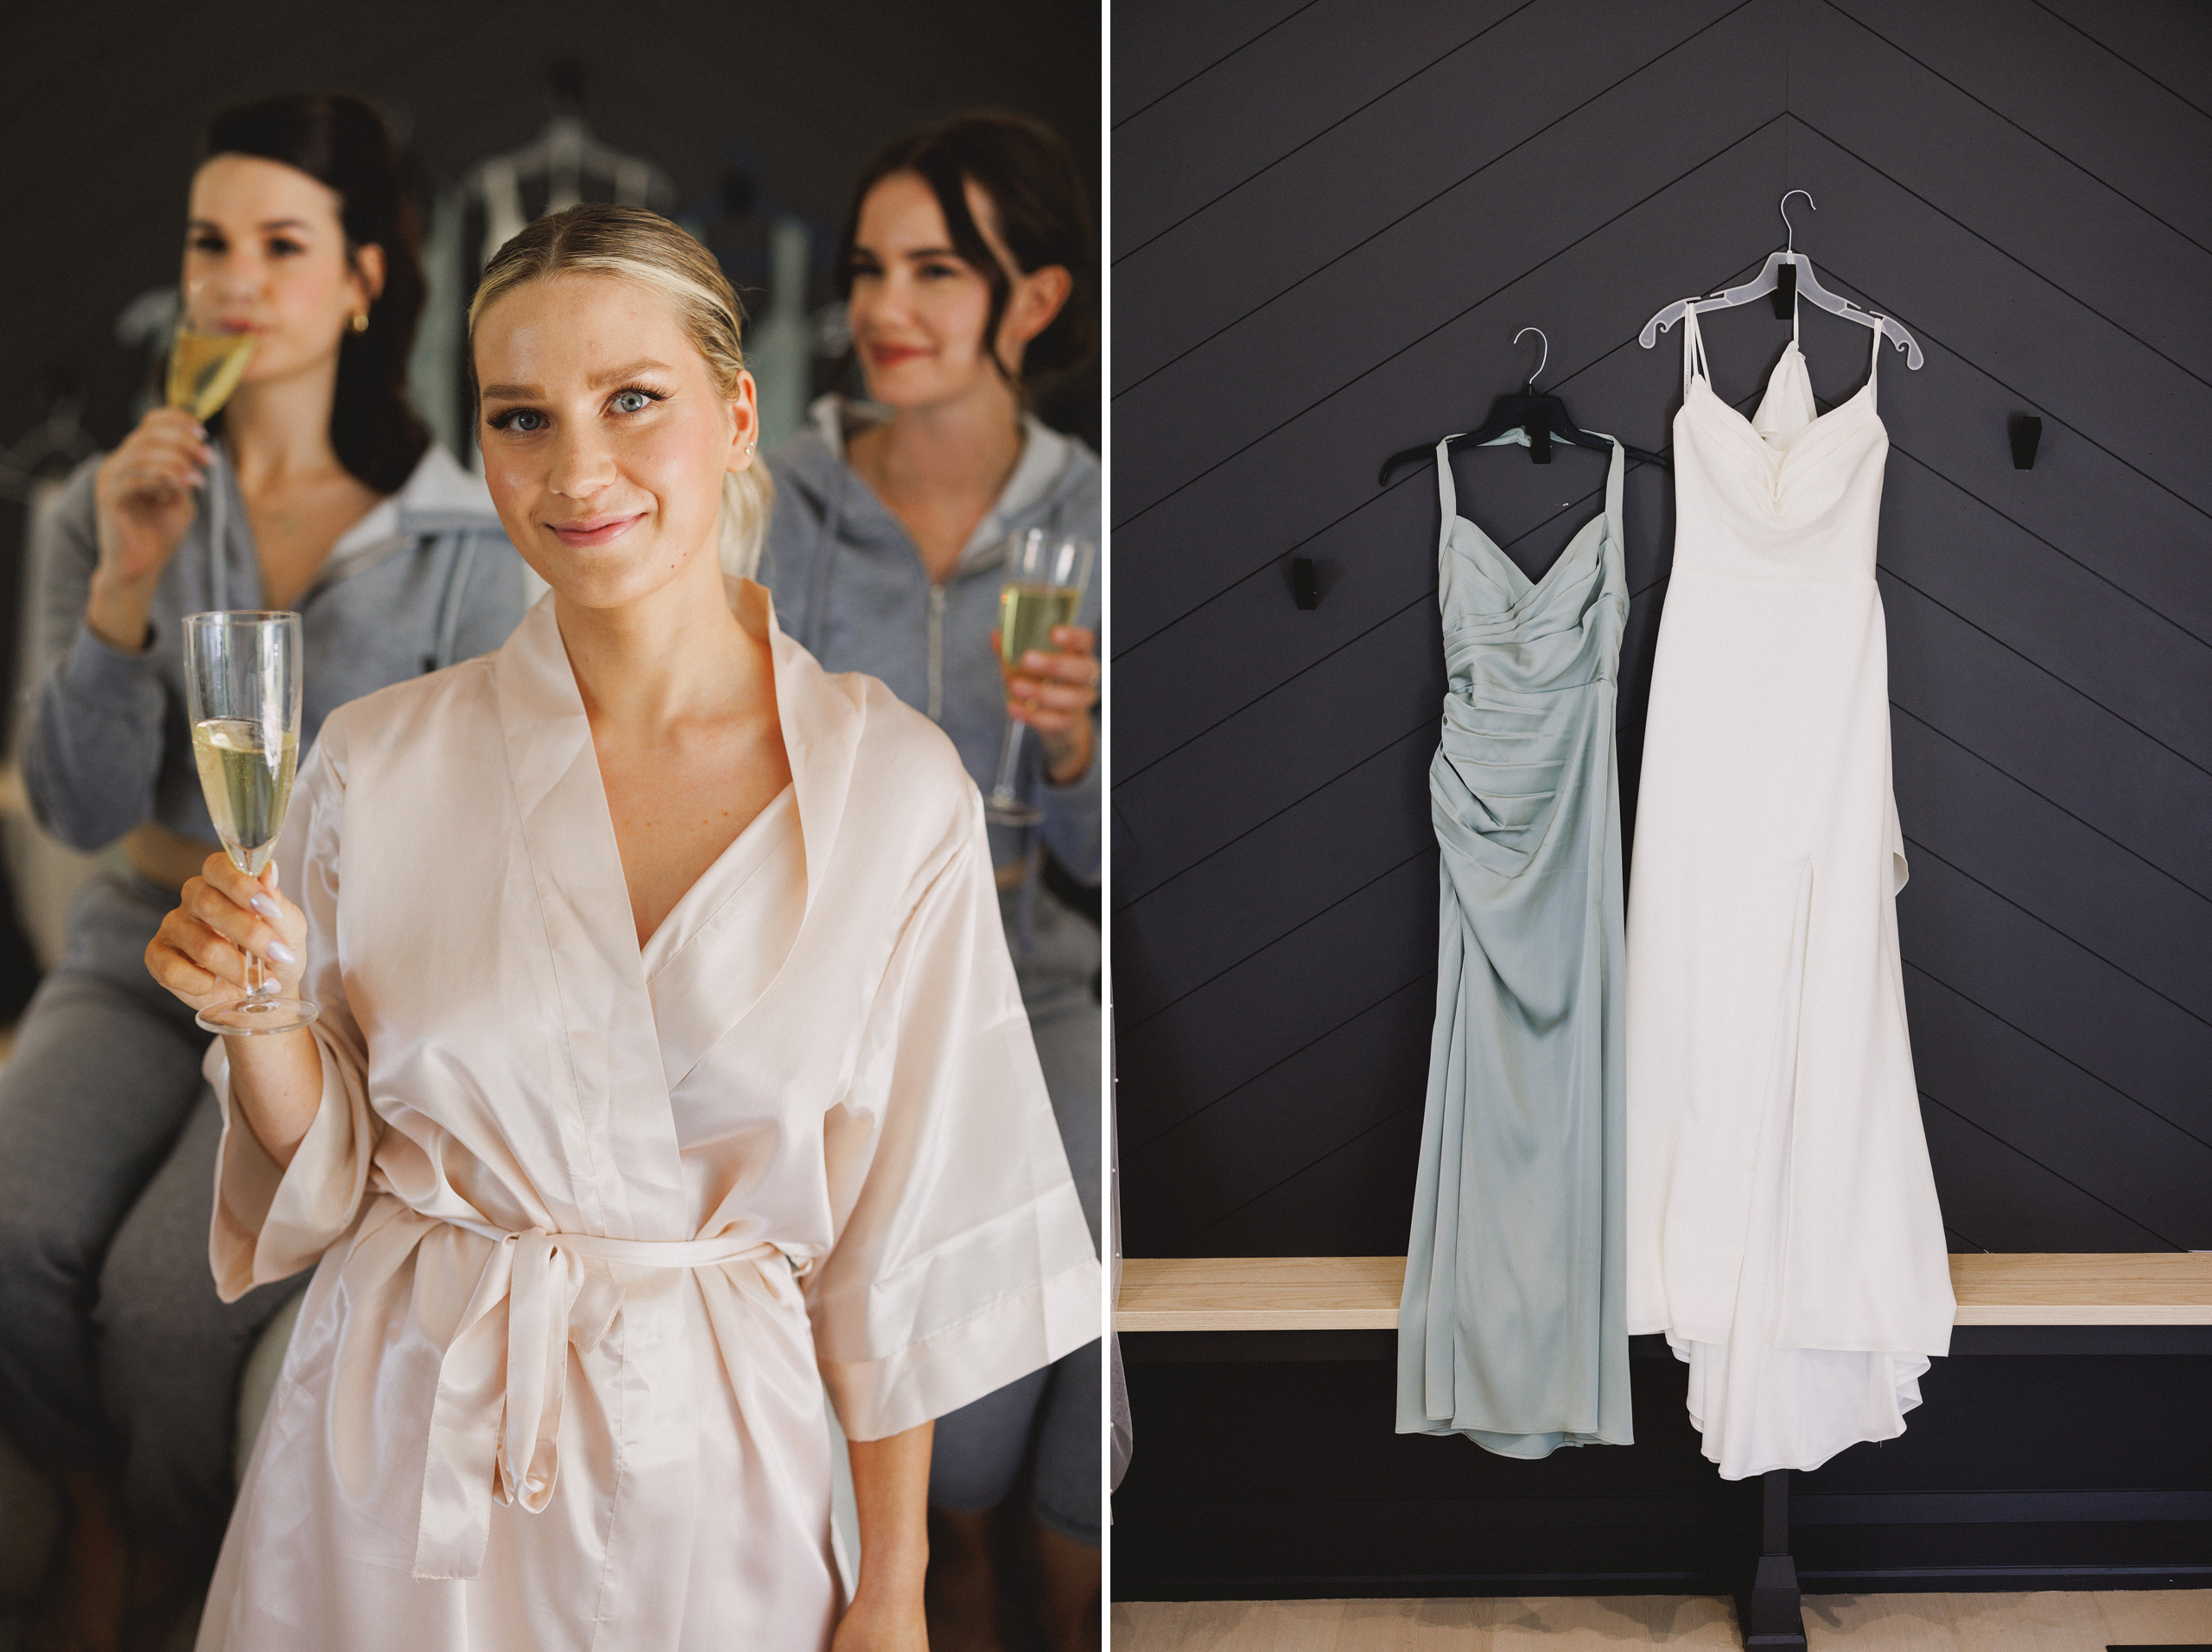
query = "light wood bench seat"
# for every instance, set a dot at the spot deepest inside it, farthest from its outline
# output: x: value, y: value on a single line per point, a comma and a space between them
x: 1361, y: 1292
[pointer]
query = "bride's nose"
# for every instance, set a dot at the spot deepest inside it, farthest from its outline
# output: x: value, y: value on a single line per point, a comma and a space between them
x: 582, y: 461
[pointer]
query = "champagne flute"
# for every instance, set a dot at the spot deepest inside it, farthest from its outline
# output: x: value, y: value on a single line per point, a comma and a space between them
x: 1046, y: 576
x: 205, y: 368
x: 242, y: 693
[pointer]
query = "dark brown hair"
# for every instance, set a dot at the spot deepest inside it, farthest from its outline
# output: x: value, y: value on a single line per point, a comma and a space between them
x: 342, y: 142
x: 1043, y: 219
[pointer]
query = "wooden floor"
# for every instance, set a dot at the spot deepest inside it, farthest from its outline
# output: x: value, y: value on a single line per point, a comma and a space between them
x: 2080, y: 1621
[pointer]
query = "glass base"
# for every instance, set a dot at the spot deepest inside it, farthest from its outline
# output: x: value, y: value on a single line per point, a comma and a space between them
x: 1011, y: 811
x: 251, y: 1015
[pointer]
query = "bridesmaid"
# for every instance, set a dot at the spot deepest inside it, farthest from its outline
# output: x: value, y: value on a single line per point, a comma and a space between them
x: 118, y: 1365
x: 966, y: 266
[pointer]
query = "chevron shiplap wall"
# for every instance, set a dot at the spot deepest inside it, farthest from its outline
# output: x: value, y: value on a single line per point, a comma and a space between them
x: 1329, y: 220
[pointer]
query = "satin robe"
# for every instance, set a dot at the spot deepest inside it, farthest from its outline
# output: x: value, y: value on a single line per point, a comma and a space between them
x: 591, y: 1219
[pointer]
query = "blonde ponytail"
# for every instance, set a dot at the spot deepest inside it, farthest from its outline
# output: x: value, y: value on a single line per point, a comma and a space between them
x: 747, y: 497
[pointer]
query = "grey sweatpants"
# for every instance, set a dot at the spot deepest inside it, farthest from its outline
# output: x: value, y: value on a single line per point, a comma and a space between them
x: 977, y: 1450
x: 115, y: 1352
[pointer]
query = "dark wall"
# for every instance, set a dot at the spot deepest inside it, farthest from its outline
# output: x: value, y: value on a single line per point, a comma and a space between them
x: 1330, y: 219
x: 102, y: 108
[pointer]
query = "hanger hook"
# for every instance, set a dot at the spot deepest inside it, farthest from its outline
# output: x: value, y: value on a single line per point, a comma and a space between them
x: 1791, y: 246
x: 1547, y: 356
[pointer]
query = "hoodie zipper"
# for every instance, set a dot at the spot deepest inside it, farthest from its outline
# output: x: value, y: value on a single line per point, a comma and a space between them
x: 936, y: 652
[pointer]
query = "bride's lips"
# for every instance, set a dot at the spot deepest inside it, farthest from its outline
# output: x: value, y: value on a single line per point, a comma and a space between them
x: 594, y: 531
x: 893, y: 355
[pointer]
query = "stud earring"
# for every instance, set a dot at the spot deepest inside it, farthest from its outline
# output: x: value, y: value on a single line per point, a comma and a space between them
x: 361, y: 322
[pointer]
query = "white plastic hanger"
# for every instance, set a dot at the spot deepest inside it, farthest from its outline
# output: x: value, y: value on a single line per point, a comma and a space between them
x: 1768, y: 279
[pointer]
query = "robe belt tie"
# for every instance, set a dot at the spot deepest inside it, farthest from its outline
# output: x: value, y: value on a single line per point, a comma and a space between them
x: 495, y: 1423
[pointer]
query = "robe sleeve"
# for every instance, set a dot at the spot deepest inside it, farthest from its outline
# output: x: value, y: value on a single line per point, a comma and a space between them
x: 269, y: 1222
x: 962, y: 1259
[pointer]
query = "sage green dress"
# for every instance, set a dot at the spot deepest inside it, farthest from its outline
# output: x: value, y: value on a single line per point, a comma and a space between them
x: 1513, y: 1328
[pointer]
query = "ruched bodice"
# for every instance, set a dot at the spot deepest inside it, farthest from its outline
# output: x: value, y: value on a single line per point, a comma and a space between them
x: 1783, y: 1226
x: 1512, y: 1330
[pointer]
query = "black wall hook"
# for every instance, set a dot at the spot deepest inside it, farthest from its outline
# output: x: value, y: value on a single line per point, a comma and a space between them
x: 1303, y: 590
x: 2026, y: 432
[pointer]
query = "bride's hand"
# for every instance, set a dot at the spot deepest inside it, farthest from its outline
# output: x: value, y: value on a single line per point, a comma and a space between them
x: 199, y: 951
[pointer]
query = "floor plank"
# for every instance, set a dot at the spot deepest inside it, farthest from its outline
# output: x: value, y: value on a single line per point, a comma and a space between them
x: 1880, y: 1623
x: 2156, y: 1617
x: 2028, y: 1622
x: 2043, y: 1621
x: 1415, y: 1625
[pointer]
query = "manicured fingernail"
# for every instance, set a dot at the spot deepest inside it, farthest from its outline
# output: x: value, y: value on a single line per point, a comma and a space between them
x: 279, y: 953
x: 1032, y: 661
x: 266, y: 907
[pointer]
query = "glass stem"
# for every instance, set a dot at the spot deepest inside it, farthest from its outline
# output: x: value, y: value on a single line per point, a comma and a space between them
x: 1009, y: 757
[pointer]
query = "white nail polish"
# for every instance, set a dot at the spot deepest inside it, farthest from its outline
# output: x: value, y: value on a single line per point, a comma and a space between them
x: 266, y: 907
x: 279, y: 953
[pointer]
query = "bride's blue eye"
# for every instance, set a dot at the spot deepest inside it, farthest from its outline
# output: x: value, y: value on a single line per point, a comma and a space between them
x: 520, y: 420
x: 633, y: 401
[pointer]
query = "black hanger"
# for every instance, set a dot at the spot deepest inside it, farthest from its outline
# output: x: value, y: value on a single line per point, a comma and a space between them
x: 1544, y: 417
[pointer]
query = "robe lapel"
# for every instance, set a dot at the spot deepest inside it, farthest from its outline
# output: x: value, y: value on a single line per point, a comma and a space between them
x: 708, y: 980
x: 633, y: 1186
x: 725, y: 943
x: 822, y: 719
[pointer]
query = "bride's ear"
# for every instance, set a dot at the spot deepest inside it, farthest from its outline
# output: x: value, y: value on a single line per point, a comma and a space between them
x: 744, y: 425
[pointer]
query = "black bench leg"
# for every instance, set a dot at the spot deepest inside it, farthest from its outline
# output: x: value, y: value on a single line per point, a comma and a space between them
x: 1771, y: 1616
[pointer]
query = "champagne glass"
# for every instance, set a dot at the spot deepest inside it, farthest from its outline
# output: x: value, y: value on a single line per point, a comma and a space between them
x: 242, y: 692
x: 1046, y: 576
x: 205, y: 368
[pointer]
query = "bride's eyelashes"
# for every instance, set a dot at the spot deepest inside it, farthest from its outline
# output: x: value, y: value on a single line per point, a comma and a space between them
x: 628, y: 402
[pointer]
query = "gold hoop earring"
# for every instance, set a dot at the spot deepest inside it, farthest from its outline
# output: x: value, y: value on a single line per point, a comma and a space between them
x: 361, y: 322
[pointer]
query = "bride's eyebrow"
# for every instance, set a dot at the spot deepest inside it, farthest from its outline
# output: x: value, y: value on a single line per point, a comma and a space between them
x: 616, y: 375
x: 597, y: 381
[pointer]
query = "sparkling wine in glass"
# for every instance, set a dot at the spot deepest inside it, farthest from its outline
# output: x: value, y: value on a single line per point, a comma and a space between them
x: 242, y: 692
x: 205, y: 368
x: 1045, y: 575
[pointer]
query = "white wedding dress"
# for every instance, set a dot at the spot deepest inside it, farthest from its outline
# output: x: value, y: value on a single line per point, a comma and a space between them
x: 1783, y: 1226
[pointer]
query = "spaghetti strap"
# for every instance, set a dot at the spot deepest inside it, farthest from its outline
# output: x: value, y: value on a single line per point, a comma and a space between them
x: 1447, y: 498
x: 1692, y: 350
x: 1874, y: 359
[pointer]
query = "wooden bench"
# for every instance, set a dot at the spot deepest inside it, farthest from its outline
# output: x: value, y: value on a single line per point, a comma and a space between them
x: 1360, y: 1293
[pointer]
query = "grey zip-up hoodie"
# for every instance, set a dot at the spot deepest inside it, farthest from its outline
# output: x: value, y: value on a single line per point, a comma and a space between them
x: 425, y: 579
x: 850, y: 586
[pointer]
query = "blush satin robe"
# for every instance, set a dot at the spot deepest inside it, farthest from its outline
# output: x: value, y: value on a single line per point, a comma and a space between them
x: 591, y: 1219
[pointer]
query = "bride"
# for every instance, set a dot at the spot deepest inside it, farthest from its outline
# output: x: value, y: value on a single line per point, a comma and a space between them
x: 670, y: 1065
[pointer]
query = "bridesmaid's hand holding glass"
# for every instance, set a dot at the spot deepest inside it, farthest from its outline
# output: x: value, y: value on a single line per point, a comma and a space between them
x: 144, y: 497
x: 1053, y: 693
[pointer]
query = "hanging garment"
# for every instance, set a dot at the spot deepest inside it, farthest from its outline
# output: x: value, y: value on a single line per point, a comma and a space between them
x: 1512, y: 1330
x: 1782, y: 1224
